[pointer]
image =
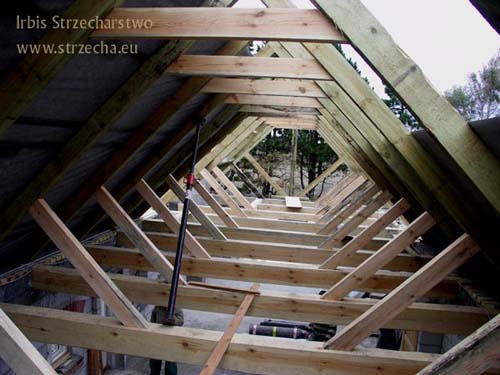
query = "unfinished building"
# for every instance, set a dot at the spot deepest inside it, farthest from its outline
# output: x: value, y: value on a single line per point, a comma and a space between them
x: 91, y: 142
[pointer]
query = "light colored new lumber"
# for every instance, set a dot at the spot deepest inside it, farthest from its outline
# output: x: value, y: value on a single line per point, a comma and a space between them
x: 348, y: 210
x: 263, y: 355
x: 402, y: 74
x: 327, y: 172
x: 409, y: 291
x: 263, y: 271
x: 273, y: 207
x: 220, y: 349
x: 212, y: 202
x: 234, y: 208
x: 244, y: 244
x: 238, y: 66
x: 273, y: 100
x: 233, y: 189
x: 79, y: 257
x: 192, y: 244
x: 279, y: 112
x: 194, y: 208
x: 472, y: 356
x: 338, y: 196
x: 439, y: 318
x: 361, y: 216
x: 136, y: 235
x: 290, y: 123
x: 20, y: 354
x: 262, y: 172
x: 223, y: 287
x: 381, y: 257
x: 292, y: 202
x: 229, y: 23
x: 362, y: 238
x: 300, y: 88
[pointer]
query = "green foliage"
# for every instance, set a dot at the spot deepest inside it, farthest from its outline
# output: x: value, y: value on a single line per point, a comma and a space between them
x: 479, y: 98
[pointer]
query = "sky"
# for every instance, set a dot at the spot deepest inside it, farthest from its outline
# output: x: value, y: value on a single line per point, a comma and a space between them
x: 448, y: 39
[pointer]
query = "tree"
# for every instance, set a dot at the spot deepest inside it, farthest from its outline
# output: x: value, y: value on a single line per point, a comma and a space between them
x: 479, y: 98
x: 400, y: 110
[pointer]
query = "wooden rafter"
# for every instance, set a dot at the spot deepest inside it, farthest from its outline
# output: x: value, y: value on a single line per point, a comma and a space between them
x: 409, y: 291
x: 262, y: 172
x: 473, y: 355
x: 327, y: 172
x: 212, y: 202
x: 134, y: 233
x: 20, y: 354
x: 192, y: 244
x: 86, y: 265
x: 235, y: 208
x: 232, y: 188
x: 368, y: 233
x: 97, y: 125
x: 401, y: 73
x: 195, y: 209
x: 229, y: 23
x: 381, y: 257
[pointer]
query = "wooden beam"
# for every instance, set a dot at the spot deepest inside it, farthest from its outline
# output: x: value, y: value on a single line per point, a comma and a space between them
x: 192, y: 244
x: 262, y: 172
x: 139, y: 137
x: 228, y: 23
x: 235, y: 208
x: 96, y: 126
x: 134, y: 233
x: 331, y: 201
x: 243, y: 177
x: 326, y: 173
x: 273, y: 100
x: 262, y: 271
x: 220, y: 349
x: 473, y: 355
x: 361, y: 216
x: 34, y: 71
x: 290, y: 123
x: 280, y: 112
x: 250, y: 67
x: 368, y: 233
x: 381, y: 257
x: 299, y: 88
x: 248, y: 245
x: 265, y: 355
x: 233, y: 189
x: 197, y: 212
x: 212, y: 202
x: 409, y: 291
x: 86, y: 265
x: 349, y: 210
x: 404, y: 76
x: 429, y: 317
x: 18, y: 353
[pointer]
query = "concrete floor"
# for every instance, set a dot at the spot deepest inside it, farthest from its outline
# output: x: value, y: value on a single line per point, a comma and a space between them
x: 216, y: 322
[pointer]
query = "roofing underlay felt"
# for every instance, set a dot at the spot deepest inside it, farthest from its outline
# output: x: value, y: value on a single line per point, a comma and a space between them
x: 63, y: 106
